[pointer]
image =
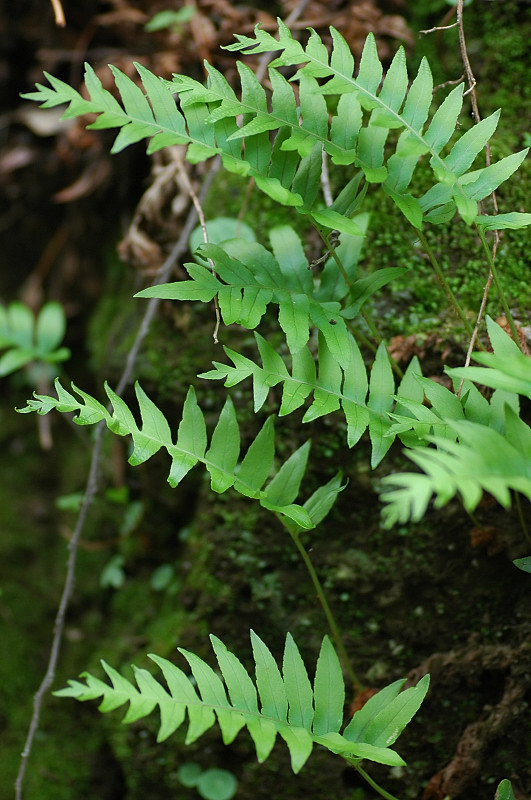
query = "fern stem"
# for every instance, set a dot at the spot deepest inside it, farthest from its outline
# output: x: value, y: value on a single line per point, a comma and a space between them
x: 332, y: 624
x: 523, y: 523
x: 326, y: 239
x: 451, y: 296
x: 366, y: 316
x: 381, y: 791
x: 499, y: 287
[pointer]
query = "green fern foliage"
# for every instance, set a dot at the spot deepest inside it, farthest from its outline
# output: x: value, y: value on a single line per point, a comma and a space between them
x: 220, y: 457
x: 366, y: 399
x: 282, y: 702
x: 480, y: 446
x: 212, y: 120
x: 248, y: 277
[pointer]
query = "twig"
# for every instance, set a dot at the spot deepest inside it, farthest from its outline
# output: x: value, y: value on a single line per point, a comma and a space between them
x: 58, y: 13
x: 325, y: 181
x: 472, y: 83
x: 453, y: 82
x: 475, y: 332
x: 443, y: 26
x: 202, y: 221
x: 440, y: 28
x: 92, y: 486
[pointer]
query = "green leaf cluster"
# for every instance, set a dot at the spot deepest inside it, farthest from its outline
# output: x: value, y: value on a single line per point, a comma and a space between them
x: 366, y: 400
x: 27, y: 339
x: 480, y: 446
x: 279, y: 140
x: 377, y: 128
x: 246, y: 278
x: 278, y: 702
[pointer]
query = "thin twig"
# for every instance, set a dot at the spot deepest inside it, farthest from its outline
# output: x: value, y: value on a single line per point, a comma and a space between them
x: 453, y: 82
x: 472, y: 342
x: 440, y: 28
x: 58, y: 13
x: 472, y: 83
x: 92, y: 483
x: 202, y: 221
x: 92, y: 486
x: 58, y: 628
x: 325, y: 181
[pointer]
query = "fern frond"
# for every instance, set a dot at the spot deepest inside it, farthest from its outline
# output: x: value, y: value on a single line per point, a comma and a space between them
x: 493, y: 451
x: 506, y: 368
x: 288, y: 170
x: 191, y: 447
x: 481, y: 461
x: 276, y: 702
x: 249, y: 277
x: 393, y: 106
x: 366, y: 400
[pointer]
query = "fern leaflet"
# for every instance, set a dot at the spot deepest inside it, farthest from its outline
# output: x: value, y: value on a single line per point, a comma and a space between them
x: 277, y: 702
x: 248, y: 278
x: 220, y: 458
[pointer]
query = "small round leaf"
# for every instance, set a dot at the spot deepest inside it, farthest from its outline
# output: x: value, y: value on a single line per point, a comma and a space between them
x: 217, y: 784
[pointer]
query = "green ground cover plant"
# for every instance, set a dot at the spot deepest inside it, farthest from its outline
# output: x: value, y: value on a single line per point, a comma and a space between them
x: 378, y: 128
x: 32, y: 341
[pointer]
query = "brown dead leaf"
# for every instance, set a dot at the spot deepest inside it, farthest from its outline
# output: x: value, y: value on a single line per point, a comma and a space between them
x: 522, y: 343
x: 90, y: 179
x: 360, y: 698
x: 487, y: 536
x: 141, y: 251
x: 403, y: 348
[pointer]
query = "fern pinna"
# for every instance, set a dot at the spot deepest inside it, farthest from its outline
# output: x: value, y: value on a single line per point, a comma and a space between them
x: 212, y: 120
x: 277, y: 702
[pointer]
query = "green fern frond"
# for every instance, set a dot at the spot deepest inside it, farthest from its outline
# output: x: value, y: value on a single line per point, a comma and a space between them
x: 493, y: 451
x: 393, y: 104
x: 276, y: 702
x: 506, y: 368
x: 366, y: 400
x: 446, y: 407
x: 289, y: 168
x: 191, y: 447
x: 249, y: 277
x: 481, y: 461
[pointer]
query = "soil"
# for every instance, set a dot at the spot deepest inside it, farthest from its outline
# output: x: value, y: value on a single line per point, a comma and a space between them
x: 442, y: 596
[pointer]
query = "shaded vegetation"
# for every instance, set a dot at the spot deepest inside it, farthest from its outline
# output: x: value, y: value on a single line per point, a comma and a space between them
x: 193, y: 564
